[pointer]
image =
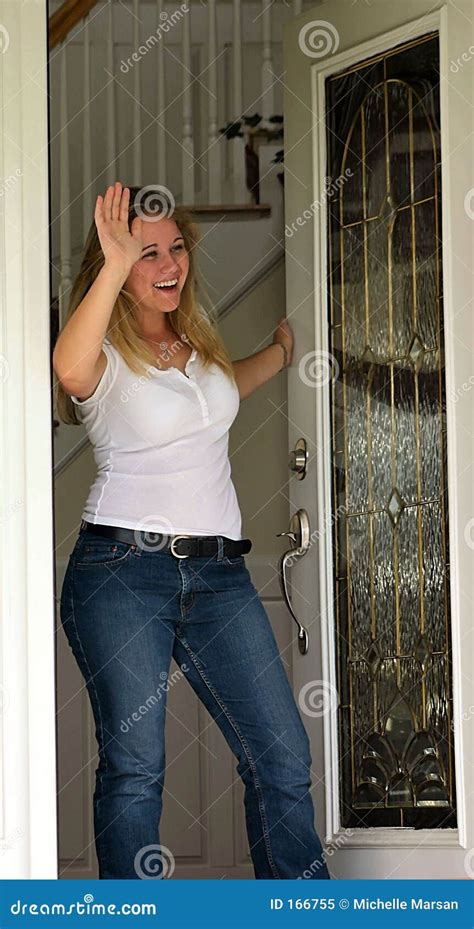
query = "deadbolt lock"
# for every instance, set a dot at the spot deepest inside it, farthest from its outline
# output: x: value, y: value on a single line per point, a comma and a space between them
x: 298, y: 459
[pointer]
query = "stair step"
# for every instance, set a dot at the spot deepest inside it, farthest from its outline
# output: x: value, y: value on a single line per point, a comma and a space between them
x: 249, y: 209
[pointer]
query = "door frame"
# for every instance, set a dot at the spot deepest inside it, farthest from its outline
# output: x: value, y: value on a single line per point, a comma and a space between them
x: 457, y: 230
x: 28, y: 732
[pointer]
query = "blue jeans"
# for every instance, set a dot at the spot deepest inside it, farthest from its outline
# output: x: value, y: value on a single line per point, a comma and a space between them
x: 126, y: 611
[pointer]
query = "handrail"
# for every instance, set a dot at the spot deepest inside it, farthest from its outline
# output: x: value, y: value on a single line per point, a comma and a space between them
x: 63, y: 20
x: 225, y: 307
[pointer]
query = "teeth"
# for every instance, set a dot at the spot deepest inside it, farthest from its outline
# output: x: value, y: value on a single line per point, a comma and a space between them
x: 166, y: 283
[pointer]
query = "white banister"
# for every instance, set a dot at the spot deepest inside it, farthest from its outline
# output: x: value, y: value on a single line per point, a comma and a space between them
x: 137, y: 109
x: 219, y: 30
x: 111, y: 167
x: 268, y: 80
x: 161, y: 98
x: 64, y: 194
x: 87, y: 135
x: 240, y: 192
x: 187, y: 141
x: 214, y: 151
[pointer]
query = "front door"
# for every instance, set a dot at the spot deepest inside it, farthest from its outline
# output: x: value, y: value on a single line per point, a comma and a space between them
x: 379, y: 220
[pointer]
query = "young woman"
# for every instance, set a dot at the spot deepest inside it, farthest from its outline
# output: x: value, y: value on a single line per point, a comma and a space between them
x: 158, y: 568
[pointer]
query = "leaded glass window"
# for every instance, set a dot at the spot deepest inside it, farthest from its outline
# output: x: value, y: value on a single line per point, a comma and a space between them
x: 390, y: 539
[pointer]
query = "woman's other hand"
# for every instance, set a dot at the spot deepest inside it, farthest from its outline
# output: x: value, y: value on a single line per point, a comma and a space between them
x: 284, y: 334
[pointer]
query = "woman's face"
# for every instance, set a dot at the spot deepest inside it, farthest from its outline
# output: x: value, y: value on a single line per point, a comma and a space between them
x: 164, y: 258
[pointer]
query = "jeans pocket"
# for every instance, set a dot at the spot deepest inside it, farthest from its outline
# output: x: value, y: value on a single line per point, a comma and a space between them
x: 102, y: 552
x: 239, y: 560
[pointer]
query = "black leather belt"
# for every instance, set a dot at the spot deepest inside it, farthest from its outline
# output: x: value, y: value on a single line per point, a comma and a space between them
x: 181, y: 546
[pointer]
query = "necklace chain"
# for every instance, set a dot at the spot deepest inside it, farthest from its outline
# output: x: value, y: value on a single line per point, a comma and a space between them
x: 163, y: 343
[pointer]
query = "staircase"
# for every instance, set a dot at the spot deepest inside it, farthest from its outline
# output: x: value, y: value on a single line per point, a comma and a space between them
x: 139, y: 91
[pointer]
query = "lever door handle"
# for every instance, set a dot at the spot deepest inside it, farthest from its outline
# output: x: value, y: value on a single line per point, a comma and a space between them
x: 299, y: 537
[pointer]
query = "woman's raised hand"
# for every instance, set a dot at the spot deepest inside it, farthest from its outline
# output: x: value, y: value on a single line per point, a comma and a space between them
x: 121, y: 247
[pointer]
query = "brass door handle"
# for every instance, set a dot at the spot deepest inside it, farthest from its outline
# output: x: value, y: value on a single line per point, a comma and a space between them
x: 299, y: 539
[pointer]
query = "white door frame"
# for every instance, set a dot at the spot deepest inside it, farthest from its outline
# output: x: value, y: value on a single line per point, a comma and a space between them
x: 306, y: 163
x: 28, y: 741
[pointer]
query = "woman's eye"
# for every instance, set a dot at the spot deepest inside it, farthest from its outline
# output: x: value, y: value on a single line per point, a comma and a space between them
x: 153, y: 254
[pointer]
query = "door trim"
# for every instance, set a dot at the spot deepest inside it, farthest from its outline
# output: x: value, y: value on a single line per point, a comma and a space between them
x: 28, y: 790
x: 387, y: 837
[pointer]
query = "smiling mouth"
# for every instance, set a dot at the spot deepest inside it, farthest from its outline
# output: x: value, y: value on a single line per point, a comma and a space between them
x: 168, y: 286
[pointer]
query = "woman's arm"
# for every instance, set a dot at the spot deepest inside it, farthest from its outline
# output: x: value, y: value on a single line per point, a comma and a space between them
x: 76, y: 355
x: 77, y: 358
x: 250, y: 373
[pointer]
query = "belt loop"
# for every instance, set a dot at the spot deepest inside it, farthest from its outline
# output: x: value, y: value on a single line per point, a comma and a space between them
x: 220, y: 547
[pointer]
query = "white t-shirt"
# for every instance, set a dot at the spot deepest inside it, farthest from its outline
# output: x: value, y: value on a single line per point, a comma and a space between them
x: 160, y: 443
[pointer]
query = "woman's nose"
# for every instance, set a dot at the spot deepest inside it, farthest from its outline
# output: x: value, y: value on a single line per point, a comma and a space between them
x: 169, y: 270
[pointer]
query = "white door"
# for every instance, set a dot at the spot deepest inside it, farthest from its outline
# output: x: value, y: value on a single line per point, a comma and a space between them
x: 379, y: 214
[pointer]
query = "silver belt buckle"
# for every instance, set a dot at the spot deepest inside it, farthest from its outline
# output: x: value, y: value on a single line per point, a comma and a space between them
x: 175, y: 539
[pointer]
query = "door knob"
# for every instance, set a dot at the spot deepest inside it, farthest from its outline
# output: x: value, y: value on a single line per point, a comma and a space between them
x: 299, y: 537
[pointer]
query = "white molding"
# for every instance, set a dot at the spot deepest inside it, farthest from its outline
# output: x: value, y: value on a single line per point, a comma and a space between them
x: 395, y: 838
x: 390, y: 838
x: 26, y: 533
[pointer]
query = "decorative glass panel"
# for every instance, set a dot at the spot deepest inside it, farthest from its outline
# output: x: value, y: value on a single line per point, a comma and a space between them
x: 390, y: 538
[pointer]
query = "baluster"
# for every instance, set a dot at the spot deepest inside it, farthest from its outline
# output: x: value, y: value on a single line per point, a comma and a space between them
x: 240, y: 192
x: 110, y: 172
x: 214, y: 151
x: 86, y: 133
x: 297, y: 7
x: 188, y: 142
x: 161, y: 100
x: 268, y: 105
x: 137, y: 110
x: 64, y: 196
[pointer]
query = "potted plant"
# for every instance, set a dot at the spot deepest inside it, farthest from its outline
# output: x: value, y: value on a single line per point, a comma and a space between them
x: 256, y: 130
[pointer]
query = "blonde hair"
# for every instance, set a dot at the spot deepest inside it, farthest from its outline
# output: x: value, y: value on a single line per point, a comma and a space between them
x: 189, y: 319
